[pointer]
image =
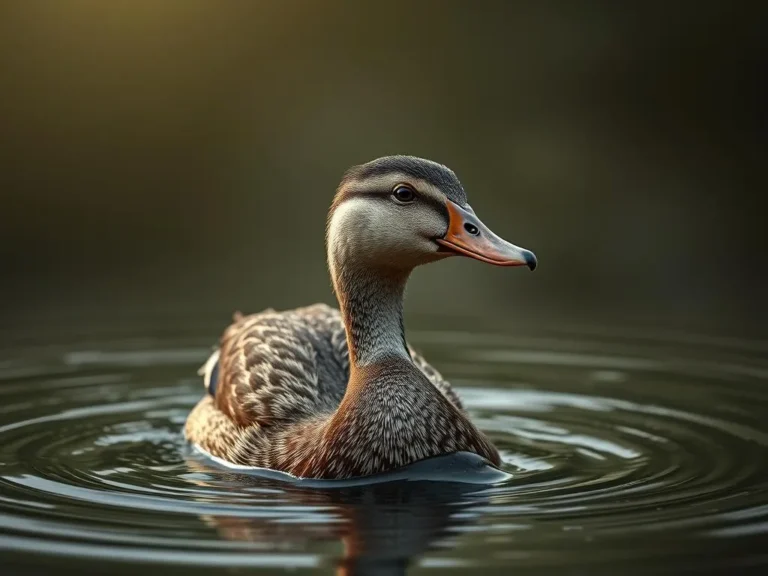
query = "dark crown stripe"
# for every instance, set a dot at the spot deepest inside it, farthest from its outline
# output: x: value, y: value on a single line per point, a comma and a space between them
x: 436, y: 174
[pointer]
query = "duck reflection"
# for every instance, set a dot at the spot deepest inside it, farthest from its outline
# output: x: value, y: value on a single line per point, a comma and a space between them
x: 383, y: 528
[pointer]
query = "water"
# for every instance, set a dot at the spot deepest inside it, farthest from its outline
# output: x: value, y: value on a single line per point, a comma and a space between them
x: 642, y: 454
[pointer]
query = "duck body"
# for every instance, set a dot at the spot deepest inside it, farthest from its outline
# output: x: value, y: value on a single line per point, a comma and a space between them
x: 324, y: 393
x: 279, y: 402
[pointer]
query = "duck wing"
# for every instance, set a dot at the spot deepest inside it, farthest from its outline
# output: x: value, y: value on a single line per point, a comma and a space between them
x: 279, y: 367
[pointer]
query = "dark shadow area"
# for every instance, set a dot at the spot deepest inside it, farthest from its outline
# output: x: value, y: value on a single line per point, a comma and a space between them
x: 181, y: 159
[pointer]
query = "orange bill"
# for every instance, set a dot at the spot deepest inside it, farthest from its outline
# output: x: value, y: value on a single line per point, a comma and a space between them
x: 468, y: 236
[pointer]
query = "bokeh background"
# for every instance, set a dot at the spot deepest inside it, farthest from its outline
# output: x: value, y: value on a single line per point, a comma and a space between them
x: 176, y: 159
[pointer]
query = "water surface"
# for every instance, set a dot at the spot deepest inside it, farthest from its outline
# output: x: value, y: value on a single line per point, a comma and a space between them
x: 642, y: 454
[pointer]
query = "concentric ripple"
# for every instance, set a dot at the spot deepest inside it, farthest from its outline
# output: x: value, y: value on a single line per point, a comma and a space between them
x: 626, y: 455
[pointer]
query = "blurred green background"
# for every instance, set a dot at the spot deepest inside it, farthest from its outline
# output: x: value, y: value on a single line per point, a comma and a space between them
x: 178, y: 158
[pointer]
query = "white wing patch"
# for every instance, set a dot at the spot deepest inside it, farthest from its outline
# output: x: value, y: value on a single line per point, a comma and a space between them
x: 207, y: 369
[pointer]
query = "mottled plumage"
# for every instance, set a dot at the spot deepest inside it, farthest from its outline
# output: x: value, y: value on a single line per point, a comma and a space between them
x: 283, y: 374
x: 322, y: 393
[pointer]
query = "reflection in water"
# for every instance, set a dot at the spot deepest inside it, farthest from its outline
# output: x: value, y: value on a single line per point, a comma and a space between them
x: 382, y: 527
x: 630, y: 455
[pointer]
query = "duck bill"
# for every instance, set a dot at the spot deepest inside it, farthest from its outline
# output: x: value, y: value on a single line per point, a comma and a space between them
x: 468, y: 236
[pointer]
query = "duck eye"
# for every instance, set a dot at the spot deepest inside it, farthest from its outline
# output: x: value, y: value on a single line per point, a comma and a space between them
x: 404, y: 194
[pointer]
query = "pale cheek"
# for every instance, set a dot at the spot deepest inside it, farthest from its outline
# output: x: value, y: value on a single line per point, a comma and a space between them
x: 377, y: 233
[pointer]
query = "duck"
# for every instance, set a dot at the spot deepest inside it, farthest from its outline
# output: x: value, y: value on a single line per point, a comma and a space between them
x: 326, y: 393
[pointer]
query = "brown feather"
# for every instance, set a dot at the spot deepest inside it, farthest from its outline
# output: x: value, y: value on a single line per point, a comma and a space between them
x: 289, y: 394
x: 282, y: 378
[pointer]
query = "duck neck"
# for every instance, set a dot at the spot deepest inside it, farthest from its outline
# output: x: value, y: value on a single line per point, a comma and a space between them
x: 371, y: 302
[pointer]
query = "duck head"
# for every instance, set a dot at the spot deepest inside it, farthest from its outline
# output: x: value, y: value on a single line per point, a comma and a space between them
x: 398, y: 212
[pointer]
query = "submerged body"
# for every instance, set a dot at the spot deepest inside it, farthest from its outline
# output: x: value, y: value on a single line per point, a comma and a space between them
x: 322, y: 393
